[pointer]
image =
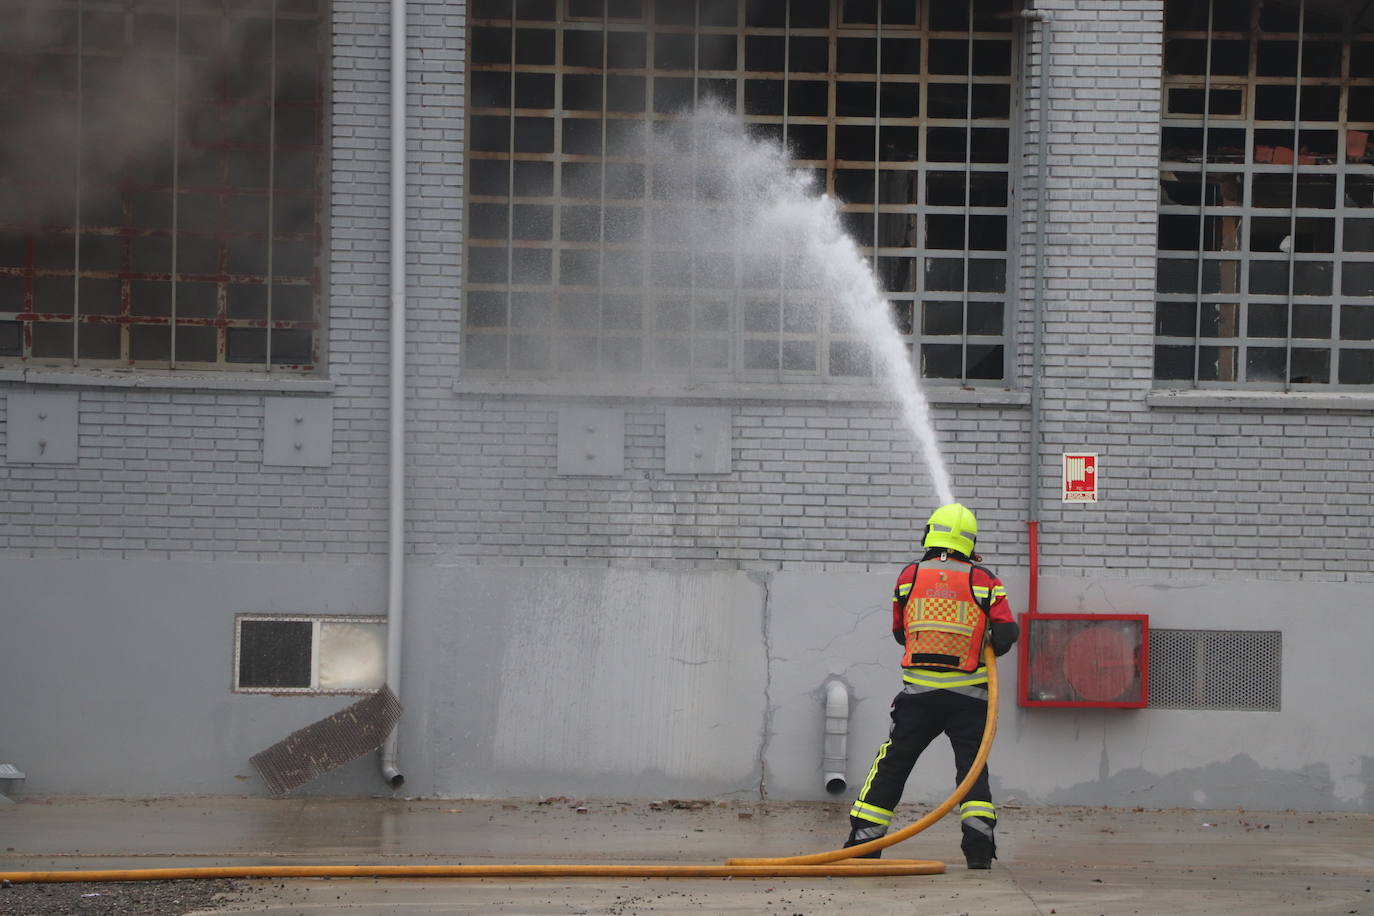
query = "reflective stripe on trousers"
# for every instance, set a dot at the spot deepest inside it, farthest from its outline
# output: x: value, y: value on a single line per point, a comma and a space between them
x: 979, y: 816
x: 969, y: 683
x: 917, y: 719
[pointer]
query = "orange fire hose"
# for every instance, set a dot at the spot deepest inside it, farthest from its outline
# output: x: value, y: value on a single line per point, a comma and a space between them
x: 835, y: 863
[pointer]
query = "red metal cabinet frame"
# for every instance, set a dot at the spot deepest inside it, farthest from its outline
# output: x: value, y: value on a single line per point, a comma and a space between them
x: 1084, y: 660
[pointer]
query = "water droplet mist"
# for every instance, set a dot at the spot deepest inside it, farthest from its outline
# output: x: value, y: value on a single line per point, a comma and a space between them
x: 731, y: 186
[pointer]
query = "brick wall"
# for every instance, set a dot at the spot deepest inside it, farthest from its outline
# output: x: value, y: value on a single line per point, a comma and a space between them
x: 1214, y: 488
x: 809, y: 484
x: 1207, y: 488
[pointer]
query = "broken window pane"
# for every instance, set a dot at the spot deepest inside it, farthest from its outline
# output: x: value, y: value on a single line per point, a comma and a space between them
x: 1313, y: 278
x: 897, y: 186
x: 856, y: 185
x: 11, y: 337
x: 1199, y: 101
x: 1357, y: 322
x: 1173, y: 363
x: 1176, y: 319
x: 985, y: 318
x: 535, y: 47
x: 855, y: 100
x: 1310, y: 367
x: 1180, y: 233
x: 941, y: 361
x: 1267, y: 319
x: 1357, y: 278
x: 942, y: 318
x: 985, y: 361
x: 944, y: 274
x: 1312, y: 321
x: 897, y: 274
x: 1356, y: 367
x: 1219, y: 319
x: 987, y: 275
x: 1269, y: 278
x: 1217, y: 364
x: 899, y: 100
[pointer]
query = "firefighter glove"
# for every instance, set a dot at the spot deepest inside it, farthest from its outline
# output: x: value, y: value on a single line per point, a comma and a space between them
x: 1004, y: 637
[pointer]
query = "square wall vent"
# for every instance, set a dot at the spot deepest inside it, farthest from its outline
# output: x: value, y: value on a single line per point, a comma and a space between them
x: 308, y: 654
x: 1217, y: 669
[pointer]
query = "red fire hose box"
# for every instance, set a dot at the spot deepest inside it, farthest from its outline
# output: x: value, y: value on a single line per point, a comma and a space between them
x: 1084, y: 660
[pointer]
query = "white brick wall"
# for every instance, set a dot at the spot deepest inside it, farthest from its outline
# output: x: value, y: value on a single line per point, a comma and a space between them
x: 165, y: 473
x: 1222, y: 490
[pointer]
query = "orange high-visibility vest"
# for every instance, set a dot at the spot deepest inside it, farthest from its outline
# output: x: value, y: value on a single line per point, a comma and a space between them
x: 945, y: 623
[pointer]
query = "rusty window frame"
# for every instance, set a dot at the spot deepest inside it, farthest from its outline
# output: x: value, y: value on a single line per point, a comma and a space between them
x: 513, y: 329
x: 198, y: 246
x: 1265, y: 272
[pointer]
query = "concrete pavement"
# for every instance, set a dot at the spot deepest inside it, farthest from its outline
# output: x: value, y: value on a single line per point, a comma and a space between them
x: 1062, y: 861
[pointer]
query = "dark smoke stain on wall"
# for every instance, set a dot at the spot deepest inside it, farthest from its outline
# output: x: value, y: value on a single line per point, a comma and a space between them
x: 169, y: 152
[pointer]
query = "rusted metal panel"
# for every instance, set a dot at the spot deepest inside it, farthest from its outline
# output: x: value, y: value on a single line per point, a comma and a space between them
x: 310, y: 752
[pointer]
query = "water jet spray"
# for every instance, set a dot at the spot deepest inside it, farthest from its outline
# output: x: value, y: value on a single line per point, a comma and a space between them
x: 785, y: 225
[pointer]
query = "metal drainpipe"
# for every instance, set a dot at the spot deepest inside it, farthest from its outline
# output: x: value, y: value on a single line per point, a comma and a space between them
x: 1038, y: 298
x: 396, y: 485
x: 835, y: 753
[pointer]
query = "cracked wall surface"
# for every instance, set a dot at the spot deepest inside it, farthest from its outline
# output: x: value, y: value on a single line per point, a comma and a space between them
x: 633, y: 683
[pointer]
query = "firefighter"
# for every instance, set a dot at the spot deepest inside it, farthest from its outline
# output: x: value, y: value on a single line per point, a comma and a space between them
x: 943, y: 608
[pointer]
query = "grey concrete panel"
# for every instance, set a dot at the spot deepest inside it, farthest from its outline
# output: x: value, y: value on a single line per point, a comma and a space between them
x: 822, y: 625
x: 42, y: 427
x: 697, y: 440
x: 558, y: 680
x: 298, y: 432
x: 591, y: 441
x: 131, y: 692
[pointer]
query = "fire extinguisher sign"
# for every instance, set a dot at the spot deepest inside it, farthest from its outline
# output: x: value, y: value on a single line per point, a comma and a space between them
x: 1080, y: 477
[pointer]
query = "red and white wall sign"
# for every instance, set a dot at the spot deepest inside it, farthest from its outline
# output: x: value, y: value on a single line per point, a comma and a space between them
x: 1080, y: 477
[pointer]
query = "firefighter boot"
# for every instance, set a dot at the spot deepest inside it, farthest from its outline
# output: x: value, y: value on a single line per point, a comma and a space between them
x: 979, y: 846
x: 861, y: 831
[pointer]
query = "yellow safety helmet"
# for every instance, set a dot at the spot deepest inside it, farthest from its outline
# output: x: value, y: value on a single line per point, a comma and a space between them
x: 952, y: 527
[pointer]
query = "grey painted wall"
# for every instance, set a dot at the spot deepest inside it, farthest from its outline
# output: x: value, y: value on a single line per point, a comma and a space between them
x: 633, y: 683
x: 656, y: 634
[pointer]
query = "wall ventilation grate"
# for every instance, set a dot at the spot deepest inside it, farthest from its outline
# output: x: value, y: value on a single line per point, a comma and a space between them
x: 1216, y: 669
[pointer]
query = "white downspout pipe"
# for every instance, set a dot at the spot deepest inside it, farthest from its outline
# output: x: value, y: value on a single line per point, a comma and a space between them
x: 1042, y: 167
x: 397, y: 454
x: 835, y: 756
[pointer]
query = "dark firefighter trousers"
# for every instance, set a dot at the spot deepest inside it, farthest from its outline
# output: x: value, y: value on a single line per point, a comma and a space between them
x: 917, y: 719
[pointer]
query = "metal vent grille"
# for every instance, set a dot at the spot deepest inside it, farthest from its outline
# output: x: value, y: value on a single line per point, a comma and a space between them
x: 310, y: 752
x: 1216, y: 669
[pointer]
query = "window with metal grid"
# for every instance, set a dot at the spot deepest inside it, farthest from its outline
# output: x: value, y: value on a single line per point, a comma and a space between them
x: 575, y: 261
x: 1216, y: 669
x: 1266, y: 217
x: 161, y: 177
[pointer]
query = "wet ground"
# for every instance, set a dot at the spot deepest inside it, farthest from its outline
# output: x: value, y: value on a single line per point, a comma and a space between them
x: 1061, y: 861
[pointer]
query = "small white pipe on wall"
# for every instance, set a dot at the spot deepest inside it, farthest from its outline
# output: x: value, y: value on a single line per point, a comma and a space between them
x: 835, y: 756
